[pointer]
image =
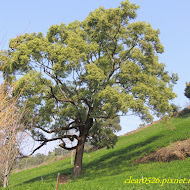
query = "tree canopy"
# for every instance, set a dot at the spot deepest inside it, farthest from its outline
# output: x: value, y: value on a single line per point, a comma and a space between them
x: 79, y: 78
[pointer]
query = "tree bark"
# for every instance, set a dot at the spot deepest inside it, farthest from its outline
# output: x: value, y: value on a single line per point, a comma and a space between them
x: 5, y: 181
x: 84, y: 132
x: 6, y: 174
x: 77, y: 170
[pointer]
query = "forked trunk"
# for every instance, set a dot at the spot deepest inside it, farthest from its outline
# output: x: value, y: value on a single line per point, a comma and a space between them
x: 77, y: 170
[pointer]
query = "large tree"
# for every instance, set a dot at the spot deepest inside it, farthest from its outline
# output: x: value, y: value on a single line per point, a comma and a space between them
x: 80, y: 77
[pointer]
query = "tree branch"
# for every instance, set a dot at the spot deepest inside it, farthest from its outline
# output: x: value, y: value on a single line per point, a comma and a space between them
x: 128, y: 51
x: 113, y: 68
x: 63, y: 145
x: 34, y: 150
x: 58, y: 99
x: 57, y: 130
x: 70, y: 137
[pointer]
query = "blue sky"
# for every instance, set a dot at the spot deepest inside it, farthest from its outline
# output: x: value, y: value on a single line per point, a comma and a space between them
x: 172, y: 17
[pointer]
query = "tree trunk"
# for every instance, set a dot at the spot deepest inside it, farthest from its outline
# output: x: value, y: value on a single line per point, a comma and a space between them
x: 84, y: 132
x: 77, y: 170
x: 5, y: 181
x: 6, y: 174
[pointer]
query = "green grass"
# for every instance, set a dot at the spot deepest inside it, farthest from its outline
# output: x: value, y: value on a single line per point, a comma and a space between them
x: 108, y: 169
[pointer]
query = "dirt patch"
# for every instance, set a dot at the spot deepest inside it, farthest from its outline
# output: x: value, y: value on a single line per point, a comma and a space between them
x: 177, y: 151
x: 64, y: 179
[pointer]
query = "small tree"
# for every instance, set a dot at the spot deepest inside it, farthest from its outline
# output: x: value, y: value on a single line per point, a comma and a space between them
x: 187, y: 90
x: 10, y: 133
x: 86, y: 73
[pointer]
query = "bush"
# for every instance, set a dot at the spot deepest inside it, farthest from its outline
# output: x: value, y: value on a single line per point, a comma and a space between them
x: 187, y: 90
x: 184, y: 111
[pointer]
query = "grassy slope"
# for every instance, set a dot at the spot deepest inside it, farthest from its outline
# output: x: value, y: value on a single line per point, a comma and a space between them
x: 108, y: 169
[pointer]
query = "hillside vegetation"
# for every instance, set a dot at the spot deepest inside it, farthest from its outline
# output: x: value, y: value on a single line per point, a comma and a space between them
x: 112, y: 169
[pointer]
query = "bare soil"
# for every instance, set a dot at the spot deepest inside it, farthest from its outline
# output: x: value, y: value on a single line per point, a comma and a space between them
x: 64, y: 179
x: 177, y: 151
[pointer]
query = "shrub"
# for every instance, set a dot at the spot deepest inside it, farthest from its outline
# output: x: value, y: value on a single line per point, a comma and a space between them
x: 187, y: 90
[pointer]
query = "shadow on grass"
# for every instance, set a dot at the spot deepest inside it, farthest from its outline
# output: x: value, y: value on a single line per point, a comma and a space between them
x: 118, y: 161
x: 112, y: 163
x: 49, y: 178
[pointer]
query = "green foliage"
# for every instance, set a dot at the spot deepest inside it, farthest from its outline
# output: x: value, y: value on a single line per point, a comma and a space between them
x: 92, y: 70
x: 184, y: 111
x: 175, y: 108
x: 108, y: 169
x: 187, y: 90
x: 102, y: 133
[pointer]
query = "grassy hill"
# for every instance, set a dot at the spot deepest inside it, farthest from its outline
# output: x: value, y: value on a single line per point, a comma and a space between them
x: 110, y: 169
